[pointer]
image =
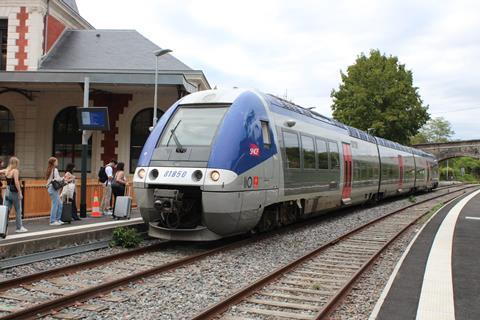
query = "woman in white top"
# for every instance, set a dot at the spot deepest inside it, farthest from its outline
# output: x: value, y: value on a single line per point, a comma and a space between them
x: 57, y: 206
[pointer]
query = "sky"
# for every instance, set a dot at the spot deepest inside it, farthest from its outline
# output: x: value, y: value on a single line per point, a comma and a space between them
x: 297, y: 48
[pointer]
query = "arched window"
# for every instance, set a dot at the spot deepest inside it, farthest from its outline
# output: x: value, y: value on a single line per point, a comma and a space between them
x: 7, y: 134
x: 67, y: 140
x: 139, y: 132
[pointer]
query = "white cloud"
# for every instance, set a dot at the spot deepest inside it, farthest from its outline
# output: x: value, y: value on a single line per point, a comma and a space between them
x: 301, y: 46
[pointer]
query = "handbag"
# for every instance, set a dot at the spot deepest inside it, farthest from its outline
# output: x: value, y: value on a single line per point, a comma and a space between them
x: 58, y: 184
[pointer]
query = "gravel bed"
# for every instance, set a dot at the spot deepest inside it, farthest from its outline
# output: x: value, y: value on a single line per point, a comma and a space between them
x: 63, y: 261
x: 181, y: 293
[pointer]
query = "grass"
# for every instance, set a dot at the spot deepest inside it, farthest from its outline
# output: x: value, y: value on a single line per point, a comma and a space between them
x: 430, y: 213
x: 412, y: 199
x: 316, y: 286
x: 125, y: 237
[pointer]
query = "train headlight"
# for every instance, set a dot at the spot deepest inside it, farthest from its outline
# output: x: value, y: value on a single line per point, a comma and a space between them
x: 141, y: 173
x: 215, y: 175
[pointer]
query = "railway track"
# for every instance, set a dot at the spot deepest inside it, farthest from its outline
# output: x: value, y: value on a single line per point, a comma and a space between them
x: 40, y: 293
x: 313, y: 285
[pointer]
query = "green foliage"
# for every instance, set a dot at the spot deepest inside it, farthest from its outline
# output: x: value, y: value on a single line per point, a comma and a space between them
x: 377, y: 92
x: 435, y: 130
x: 471, y: 172
x: 126, y: 237
x: 316, y: 286
x: 412, y: 198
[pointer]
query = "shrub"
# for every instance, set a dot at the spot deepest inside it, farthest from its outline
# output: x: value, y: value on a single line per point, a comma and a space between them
x: 412, y: 199
x: 126, y: 237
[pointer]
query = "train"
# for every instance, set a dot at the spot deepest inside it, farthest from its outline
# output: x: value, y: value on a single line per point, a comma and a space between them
x: 226, y: 162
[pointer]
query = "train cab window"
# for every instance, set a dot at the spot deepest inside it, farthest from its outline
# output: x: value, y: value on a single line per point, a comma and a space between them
x: 308, y: 150
x: 193, y: 126
x: 322, y: 154
x: 334, y: 157
x: 266, y: 134
x: 292, y: 149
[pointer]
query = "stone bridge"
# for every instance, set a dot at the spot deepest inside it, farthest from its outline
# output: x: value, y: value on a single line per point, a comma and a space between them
x: 452, y: 149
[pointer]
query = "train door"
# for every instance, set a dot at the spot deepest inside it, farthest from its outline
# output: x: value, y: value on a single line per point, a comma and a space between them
x: 401, y: 172
x: 347, y: 173
x: 429, y: 179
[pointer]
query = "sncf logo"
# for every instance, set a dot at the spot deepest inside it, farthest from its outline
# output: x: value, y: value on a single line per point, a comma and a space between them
x: 254, y: 150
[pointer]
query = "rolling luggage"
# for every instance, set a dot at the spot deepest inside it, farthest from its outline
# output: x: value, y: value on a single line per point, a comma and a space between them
x: 67, y: 212
x: 3, y: 221
x: 123, y: 207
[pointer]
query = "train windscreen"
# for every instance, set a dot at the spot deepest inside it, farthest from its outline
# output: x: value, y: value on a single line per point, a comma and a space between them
x: 193, y: 126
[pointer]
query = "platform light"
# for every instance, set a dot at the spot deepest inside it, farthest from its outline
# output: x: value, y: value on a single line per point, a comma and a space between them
x: 157, y: 53
x: 215, y: 175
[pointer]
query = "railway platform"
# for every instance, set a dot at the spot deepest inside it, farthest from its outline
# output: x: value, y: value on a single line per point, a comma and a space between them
x: 437, y: 277
x: 41, y: 236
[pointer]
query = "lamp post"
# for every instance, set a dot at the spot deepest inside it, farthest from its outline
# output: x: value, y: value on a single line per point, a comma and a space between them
x: 157, y: 54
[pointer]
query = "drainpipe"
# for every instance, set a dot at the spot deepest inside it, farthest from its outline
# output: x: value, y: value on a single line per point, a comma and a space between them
x: 45, y: 31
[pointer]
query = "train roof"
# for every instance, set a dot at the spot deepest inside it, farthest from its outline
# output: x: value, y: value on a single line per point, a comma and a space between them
x: 228, y: 96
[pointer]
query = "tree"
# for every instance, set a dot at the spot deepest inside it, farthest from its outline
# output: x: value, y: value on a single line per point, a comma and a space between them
x: 377, y: 92
x: 435, y: 130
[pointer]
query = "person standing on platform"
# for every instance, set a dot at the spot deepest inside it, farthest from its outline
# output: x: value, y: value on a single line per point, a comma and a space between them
x: 13, y: 193
x: 119, y: 183
x: 54, y: 186
x: 69, y: 191
x: 2, y: 177
x: 105, y: 206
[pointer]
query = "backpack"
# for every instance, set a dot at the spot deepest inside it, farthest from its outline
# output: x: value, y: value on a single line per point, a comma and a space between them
x: 102, y: 175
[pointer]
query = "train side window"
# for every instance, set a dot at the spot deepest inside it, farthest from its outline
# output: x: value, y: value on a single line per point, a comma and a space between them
x: 266, y: 134
x: 322, y: 154
x: 292, y: 149
x: 308, y: 150
x: 334, y: 157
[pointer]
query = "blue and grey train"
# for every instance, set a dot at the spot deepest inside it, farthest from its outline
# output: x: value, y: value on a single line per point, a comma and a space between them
x: 226, y: 162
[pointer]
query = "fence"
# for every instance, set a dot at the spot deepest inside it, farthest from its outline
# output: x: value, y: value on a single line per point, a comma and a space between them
x: 36, y: 201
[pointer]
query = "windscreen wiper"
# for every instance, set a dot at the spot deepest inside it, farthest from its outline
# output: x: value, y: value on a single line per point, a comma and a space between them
x: 180, y: 148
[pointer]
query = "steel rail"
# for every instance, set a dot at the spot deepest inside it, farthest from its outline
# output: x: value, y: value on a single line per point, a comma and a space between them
x: 342, y: 292
x: 15, y: 282
x: 223, y: 305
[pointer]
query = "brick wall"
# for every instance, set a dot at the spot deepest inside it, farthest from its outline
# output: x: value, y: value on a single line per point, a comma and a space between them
x: 22, y: 42
x: 55, y: 29
x: 116, y: 103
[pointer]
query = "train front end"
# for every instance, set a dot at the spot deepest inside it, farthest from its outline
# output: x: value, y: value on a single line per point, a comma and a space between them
x: 190, y: 179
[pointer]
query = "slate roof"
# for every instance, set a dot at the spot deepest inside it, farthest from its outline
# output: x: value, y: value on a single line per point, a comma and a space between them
x: 72, y: 4
x: 116, y: 50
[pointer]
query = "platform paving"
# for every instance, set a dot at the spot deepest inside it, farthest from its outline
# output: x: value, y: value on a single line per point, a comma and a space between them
x: 41, y: 236
x: 439, y: 278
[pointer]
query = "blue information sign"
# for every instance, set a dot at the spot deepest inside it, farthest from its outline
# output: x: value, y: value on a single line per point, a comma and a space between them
x: 95, y: 118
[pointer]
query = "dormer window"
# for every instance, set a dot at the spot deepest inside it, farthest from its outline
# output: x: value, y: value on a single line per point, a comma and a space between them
x: 3, y: 43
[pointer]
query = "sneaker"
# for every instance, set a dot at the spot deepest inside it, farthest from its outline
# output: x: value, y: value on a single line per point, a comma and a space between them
x: 22, y: 229
x: 54, y: 223
x: 60, y: 222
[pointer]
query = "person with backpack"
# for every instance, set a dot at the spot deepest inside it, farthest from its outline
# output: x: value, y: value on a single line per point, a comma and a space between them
x: 119, y: 183
x: 105, y: 176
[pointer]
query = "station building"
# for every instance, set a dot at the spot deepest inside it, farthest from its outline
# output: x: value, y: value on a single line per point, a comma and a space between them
x: 47, y: 50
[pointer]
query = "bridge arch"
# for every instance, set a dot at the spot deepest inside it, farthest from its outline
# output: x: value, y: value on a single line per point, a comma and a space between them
x: 452, y: 149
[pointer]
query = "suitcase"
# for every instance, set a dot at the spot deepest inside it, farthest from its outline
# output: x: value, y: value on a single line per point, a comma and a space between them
x: 3, y: 221
x: 67, y: 212
x: 123, y: 207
